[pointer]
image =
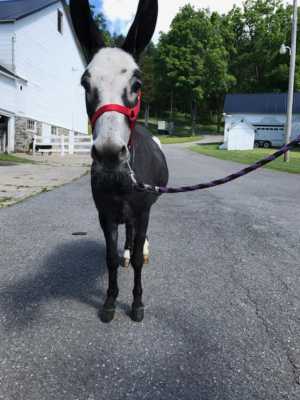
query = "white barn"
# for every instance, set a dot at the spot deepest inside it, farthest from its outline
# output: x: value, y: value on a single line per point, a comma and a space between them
x: 265, y: 112
x: 41, y: 64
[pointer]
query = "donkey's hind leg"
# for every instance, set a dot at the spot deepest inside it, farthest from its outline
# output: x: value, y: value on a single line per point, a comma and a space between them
x: 137, y: 310
x: 128, y: 245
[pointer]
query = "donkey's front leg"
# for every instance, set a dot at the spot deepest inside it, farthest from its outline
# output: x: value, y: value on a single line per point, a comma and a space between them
x: 110, y: 230
x: 137, y: 311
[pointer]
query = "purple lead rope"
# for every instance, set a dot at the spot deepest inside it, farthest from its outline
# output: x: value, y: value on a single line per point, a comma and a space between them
x: 163, y: 190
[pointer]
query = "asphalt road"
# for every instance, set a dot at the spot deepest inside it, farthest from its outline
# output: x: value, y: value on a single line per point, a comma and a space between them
x: 222, y: 295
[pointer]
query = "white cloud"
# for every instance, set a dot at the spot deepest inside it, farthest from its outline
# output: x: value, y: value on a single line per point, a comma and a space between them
x: 124, y: 10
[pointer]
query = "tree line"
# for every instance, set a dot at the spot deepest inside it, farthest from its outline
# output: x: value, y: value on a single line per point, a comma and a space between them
x: 206, y: 55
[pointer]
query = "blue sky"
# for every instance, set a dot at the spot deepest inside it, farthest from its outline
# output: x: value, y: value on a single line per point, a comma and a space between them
x: 117, y: 25
x: 96, y: 3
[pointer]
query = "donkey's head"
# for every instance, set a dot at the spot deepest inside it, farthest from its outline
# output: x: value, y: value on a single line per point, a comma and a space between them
x: 112, y: 77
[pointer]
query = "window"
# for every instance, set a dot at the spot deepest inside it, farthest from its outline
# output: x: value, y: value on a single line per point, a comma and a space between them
x: 60, y: 21
x: 31, y: 125
x: 54, y: 130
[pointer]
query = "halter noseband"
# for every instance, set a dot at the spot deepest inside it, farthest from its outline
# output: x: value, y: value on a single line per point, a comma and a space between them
x: 130, y: 113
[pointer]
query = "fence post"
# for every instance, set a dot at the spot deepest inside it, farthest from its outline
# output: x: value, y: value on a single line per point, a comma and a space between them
x: 71, y: 142
x: 62, y: 140
x: 34, y: 145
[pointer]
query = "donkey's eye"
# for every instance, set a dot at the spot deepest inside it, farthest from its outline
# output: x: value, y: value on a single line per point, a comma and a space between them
x: 136, y: 86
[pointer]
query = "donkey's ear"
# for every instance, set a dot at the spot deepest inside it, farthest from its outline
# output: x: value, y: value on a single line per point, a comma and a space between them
x: 142, y: 29
x: 85, y: 27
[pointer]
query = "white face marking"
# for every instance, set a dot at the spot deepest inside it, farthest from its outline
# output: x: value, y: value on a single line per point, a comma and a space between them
x: 110, y: 74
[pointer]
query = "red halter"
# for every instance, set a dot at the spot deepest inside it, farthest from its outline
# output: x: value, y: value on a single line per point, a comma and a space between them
x: 130, y: 113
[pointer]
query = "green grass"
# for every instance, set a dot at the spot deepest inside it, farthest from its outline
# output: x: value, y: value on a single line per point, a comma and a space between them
x: 10, y: 158
x: 251, y: 156
x: 166, y: 139
x: 4, y: 200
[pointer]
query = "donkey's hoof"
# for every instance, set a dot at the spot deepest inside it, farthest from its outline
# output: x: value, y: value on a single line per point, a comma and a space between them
x: 107, y: 314
x: 137, y: 314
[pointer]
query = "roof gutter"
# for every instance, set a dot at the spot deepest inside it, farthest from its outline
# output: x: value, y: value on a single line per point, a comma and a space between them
x: 7, y: 113
x: 13, y: 77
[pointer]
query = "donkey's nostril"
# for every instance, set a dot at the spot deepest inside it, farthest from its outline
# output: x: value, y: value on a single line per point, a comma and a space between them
x: 124, y: 150
x: 123, y: 153
x: 110, y: 155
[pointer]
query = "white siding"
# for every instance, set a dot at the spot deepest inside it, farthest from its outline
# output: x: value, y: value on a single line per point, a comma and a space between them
x: 52, y: 64
x: 7, y: 94
x: 6, y: 45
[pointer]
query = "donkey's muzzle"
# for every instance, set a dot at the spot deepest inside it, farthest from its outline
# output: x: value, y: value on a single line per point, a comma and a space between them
x: 111, y: 156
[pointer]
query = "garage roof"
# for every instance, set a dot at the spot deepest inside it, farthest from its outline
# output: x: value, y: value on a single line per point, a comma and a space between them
x: 260, y: 103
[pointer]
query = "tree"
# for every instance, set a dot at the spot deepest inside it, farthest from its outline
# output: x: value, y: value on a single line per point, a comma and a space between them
x: 217, y: 61
x: 147, y: 65
x: 180, y: 52
x: 102, y: 24
x: 257, y: 31
x: 194, y: 59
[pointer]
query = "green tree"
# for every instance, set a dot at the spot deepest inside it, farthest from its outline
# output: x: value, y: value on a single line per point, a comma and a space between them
x: 217, y: 62
x: 257, y: 31
x: 194, y: 60
x: 102, y: 25
x: 147, y: 65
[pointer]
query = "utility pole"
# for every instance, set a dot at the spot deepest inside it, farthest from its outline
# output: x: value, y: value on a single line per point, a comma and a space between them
x: 289, y: 119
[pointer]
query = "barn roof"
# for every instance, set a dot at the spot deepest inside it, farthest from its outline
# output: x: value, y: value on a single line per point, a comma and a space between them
x: 9, y: 73
x: 12, y: 10
x: 260, y: 103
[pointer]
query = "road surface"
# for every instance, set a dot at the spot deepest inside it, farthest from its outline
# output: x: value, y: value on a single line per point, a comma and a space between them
x: 222, y: 294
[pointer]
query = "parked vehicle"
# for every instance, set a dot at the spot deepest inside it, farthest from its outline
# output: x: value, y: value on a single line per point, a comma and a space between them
x: 269, y: 136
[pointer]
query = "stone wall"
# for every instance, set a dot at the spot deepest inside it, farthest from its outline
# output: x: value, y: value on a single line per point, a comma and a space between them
x: 24, y: 136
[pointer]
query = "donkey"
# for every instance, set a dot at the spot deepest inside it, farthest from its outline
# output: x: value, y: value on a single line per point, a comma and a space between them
x: 121, y: 150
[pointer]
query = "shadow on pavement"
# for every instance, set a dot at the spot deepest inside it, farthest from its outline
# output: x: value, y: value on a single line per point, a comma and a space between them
x: 71, y: 271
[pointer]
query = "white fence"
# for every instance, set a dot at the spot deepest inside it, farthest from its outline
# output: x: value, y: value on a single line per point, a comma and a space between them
x: 64, y: 144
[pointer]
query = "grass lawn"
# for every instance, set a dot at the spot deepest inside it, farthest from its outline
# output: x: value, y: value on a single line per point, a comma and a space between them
x: 166, y: 139
x: 10, y: 158
x: 4, y: 200
x: 251, y: 156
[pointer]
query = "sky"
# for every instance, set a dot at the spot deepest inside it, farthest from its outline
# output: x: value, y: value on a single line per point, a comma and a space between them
x: 120, y: 13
